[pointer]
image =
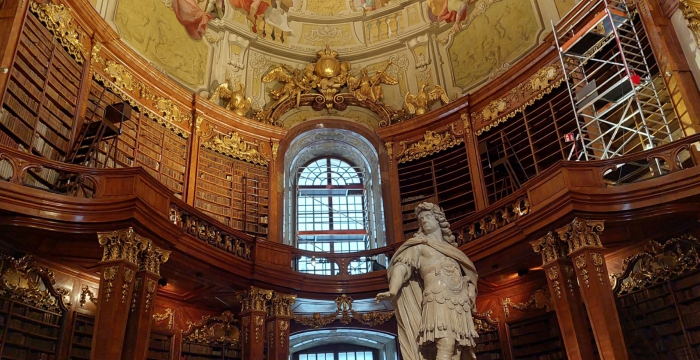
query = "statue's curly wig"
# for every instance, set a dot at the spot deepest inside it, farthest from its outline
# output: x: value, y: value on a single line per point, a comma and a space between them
x: 447, y: 235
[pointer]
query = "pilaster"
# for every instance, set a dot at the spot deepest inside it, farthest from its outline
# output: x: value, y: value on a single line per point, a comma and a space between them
x: 585, y: 251
x: 566, y: 297
x: 138, y: 327
x: 253, y: 312
x: 117, y: 274
x: 278, y: 321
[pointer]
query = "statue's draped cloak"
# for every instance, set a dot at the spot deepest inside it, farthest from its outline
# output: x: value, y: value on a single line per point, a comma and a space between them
x: 408, y: 301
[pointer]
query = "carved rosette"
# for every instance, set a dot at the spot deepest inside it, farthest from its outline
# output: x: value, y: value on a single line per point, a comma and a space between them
x: 254, y: 299
x: 122, y: 245
x: 550, y: 249
x: 581, y: 264
x: 581, y: 234
x: 281, y: 305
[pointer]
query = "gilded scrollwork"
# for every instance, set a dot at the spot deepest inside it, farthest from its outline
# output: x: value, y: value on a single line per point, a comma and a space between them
x: 494, y: 221
x: 432, y: 143
x: 550, y: 248
x: 122, y: 245
x: 523, y: 95
x: 85, y: 294
x: 553, y: 275
x: 219, y: 330
x: 233, y: 145
x: 167, y: 315
x: 344, y: 314
x: 659, y: 262
x: 22, y: 280
x: 59, y: 21
x: 540, y: 299
x: 691, y: 12
x: 483, y: 322
x: 152, y: 257
x: 150, y: 289
x: 254, y: 299
x: 281, y: 305
x: 275, y: 145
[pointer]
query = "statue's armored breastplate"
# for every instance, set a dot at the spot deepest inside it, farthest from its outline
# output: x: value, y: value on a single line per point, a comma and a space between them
x: 442, y: 275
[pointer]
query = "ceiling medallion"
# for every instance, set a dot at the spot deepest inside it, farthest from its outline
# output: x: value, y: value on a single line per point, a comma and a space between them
x: 320, y: 86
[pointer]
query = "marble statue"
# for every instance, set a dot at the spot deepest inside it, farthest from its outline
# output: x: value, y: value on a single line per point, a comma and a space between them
x: 432, y: 285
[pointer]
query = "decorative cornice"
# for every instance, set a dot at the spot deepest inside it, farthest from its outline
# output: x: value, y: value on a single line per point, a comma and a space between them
x: 254, y: 299
x: 22, y: 280
x: 345, y: 315
x: 122, y: 245
x: 59, y: 22
x: 523, y: 95
x: 167, y: 315
x: 219, y: 330
x: 234, y: 146
x: 494, y: 221
x: 281, y: 305
x: 581, y: 234
x: 550, y: 248
x: 432, y: 143
x: 540, y: 299
x: 659, y: 262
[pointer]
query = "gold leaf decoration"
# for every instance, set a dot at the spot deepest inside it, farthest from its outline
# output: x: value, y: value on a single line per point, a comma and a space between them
x: 219, y: 330
x: 345, y: 314
x: 234, y: 146
x: 59, y: 22
x: 167, y: 315
x: 483, y: 322
x: 22, y: 280
x: 540, y: 299
x: 432, y: 143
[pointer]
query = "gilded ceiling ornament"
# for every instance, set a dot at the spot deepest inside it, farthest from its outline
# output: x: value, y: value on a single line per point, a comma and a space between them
x: 122, y: 245
x: 22, y: 280
x: 254, y: 299
x: 419, y: 104
x: 691, y: 13
x: 345, y: 315
x: 432, y: 143
x: 233, y: 145
x: 281, y: 304
x: 659, y: 262
x: 367, y: 88
x: 523, y: 95
x: 216, y: 330
x: 85, y: 294
x: 550, y: 248
x: 167, y: 315
x: 540, y: 299
x: 59, y: 21
x: 236, y: 100
x: 581, y: 233
x: 202, y: 128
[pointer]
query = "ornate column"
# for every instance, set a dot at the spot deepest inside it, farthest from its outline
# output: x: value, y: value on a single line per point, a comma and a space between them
x: 566, y: 297
x: 476, y: 173
x: 253, y: 312
x: 117, y: 272
x: 395, y: 194
x: 279, y: 316
x: 583, y: 239
x: 138, y: 326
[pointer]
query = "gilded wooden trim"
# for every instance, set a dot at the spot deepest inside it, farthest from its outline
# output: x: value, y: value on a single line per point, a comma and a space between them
x: 432, y: 143
x: 167, y: 315
x: 540, y: 299
x: 234, y: 146
x: 22, y: 280
x: 345, y: 314
x: 213, y: 330
x: 59, y: 21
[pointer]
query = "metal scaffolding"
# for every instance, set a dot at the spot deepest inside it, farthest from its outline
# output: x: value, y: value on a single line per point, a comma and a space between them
x: 620, y: 105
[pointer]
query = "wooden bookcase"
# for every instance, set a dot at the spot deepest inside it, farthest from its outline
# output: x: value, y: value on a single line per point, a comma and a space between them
x: 81, y: 336
x: 160, y: 346
x: 39, y: 109
x: 198, y: 351
x: 29, y: 332
x: 442, y: 178
x: 488, y: 345
x: 529, y: 143
x: 536, y: 338
x: 233, y: 191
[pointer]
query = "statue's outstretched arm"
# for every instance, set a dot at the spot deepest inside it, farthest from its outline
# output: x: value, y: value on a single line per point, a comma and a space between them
x: 398, y: 275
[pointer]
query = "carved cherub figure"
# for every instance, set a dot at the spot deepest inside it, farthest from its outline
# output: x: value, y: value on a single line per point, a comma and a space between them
x: 420, y: 103
x: 366, y: 87
x: 295, y: 84
x: 237, y: 102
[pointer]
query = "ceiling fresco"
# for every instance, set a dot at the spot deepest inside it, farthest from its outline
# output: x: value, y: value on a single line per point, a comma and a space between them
x: 458, y: 45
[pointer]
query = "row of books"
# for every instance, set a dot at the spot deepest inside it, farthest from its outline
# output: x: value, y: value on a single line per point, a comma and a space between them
x: 46, y: 149
x: 692, y: 320
x: 215, y: 180
x: 65, y: 101
x: 156, y: 355
x: 489, y: 356
x: 31, y: 65
x: 18, y: 353
x: 16, y: 338
x: 47, y: 133
x: 689, y: 308
x: 60, y: 114
x: 149, y: 162
x: 30, y: 86
x: 222, y: 219
x: 45, y: 317
x: 217, y: 199
x: 82, y: 340
x: 54, y: 123
x: 526, y: 329
x: 174, y: 174
x: 204, y: 205
x: 6, y: 140
x: 14, y: 125
x: 689, y: 281
x: 28, y: 101
x: 688, y: 294
x: 172, y: 184
x: 201, y: 349
x: 34, y: 328
x: 535, y: 337
x: 177, y: 158
x: 488, y: 346
x: 63, y: 88
x: 38, y: 36
x: 79, y: 352
x: 219, y: 190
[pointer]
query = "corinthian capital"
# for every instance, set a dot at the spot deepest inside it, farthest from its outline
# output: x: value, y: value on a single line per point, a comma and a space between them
x: 152, y: 257
x: 281, y: 305
x: 581, y: 234
x: 550, y: 248
x: 122, y: 245
x: 254, y: 299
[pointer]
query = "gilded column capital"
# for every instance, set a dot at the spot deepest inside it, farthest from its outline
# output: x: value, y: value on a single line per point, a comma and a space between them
x: 122, y: 245
x: 152, y: 257
x: 581, y: 234
x: 281, y: 305
x: 254, y: 299
x: 550, y: 248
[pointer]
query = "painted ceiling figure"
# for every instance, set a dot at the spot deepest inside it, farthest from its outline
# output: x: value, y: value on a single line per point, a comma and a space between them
x: 192, y: 17
x: 433, y: 288
x: 449, y: 11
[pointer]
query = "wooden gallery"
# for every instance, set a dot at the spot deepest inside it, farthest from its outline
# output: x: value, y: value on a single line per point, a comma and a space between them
x: 241, y: 179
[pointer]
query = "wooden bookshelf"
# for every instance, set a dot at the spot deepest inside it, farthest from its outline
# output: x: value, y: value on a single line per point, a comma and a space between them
x: 159, y: 347
x: 81, y: 336
x: 39, y: 109
x: 200, y: 351
x: 537, y: 338
x: 232, y: 191
x: 442, y: 178
x: 488, y: 345
x: 29, y: 332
